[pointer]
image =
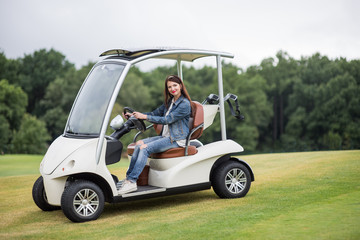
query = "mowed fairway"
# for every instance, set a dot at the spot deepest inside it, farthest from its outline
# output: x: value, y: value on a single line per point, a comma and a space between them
x: 312, y: 195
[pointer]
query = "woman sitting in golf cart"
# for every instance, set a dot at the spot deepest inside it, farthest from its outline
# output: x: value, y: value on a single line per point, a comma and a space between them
x: 174, y: 115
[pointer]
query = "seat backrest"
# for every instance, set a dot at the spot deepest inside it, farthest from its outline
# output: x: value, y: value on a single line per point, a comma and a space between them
x: 196, y: 119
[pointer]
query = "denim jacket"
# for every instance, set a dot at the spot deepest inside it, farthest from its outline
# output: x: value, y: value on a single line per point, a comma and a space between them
x: 177, y: 119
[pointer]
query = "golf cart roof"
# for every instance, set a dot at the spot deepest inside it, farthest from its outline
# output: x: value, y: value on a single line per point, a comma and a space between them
x: 179, y: 54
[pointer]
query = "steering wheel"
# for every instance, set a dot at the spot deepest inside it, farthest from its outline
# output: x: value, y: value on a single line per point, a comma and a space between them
x: 138, y: 123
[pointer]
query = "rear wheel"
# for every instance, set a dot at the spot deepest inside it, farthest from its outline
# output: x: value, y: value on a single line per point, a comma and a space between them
x: 39, y: 196
x: 82, y: 201
x: 231, y: 180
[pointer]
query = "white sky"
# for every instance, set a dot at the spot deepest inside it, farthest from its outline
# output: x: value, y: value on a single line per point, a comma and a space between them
x: 252, y: 30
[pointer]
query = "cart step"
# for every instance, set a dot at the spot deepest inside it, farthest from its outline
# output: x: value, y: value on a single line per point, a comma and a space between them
x: 143, y: 190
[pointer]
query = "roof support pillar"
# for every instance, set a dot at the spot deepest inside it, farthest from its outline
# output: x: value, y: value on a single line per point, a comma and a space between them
x: 221, y: 98
x: 179, y: 68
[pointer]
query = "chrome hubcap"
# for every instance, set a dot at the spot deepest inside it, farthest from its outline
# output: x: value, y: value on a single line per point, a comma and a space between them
x: 86, y: 202
x: 235, y: 180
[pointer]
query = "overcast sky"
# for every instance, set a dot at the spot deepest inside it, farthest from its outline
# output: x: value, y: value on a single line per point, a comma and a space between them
x: 251, y: 30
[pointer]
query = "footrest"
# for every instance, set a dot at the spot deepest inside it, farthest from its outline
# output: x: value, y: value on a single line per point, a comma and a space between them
x: 143, y: 190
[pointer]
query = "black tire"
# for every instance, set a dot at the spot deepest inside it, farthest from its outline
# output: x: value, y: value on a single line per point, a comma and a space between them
x: 39, y: 196
x: 82, y: 201
x: 231, y: 180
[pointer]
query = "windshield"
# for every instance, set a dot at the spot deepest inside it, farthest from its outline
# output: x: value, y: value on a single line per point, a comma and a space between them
x: 89, y: 109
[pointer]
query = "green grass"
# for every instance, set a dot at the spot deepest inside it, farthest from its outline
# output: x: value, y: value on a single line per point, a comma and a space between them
x: 16, y: 165
x: 313, y: 195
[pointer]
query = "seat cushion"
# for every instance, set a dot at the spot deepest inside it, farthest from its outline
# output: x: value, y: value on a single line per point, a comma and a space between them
x: 175, y: 152
x: 171, y: 153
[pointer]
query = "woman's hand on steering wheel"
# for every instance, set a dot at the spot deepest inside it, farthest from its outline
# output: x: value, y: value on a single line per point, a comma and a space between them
x: 139, y: 115
x: 128, y: 112
x: 127, y: 115
x: 138, y: 122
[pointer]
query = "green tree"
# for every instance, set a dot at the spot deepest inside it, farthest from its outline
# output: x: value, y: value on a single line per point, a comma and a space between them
x: 323, y: 107
x: 12, y: 107
x: 254, y: 105
x: 37, y: 71
x: 5, y: 134
x: 339, y: 103
x: 12, y: 103
x: 9, y: 69
x: 32, y: 136
x: 280, y: 75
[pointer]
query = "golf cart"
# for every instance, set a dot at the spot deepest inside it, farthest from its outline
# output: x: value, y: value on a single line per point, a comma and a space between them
x: 74, y: 173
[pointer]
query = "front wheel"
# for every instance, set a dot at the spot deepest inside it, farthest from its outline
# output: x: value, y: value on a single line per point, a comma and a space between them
x: 231, y: 180
x: 82, y: 201
x: 39, y: 196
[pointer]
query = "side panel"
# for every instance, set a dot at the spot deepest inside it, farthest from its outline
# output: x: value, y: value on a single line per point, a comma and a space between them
x: 189, y: 170
x: 59, y: 150
x: 80, y: 161
x: 54, y: 188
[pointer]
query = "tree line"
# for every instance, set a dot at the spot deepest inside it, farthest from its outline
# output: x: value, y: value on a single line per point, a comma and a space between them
x: 311, y: 103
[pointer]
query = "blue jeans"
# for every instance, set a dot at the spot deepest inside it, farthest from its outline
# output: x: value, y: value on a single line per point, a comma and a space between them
x: 139, y: 158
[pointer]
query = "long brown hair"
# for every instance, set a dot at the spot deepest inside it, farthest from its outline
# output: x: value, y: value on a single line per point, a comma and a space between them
x: 176, y: 79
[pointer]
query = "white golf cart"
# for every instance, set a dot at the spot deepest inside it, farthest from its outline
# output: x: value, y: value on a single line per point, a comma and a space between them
x: 74, y: 173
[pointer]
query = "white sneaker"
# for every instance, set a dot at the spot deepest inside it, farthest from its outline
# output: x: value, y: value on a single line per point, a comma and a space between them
x: 120, y: 183
x: 127, y: 187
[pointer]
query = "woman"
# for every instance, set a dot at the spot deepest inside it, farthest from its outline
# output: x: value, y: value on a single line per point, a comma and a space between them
x: 174, y: 115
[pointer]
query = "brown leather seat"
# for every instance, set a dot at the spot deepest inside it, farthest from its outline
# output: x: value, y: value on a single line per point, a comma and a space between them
x: 175, y: 152
x: 196, y: 121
